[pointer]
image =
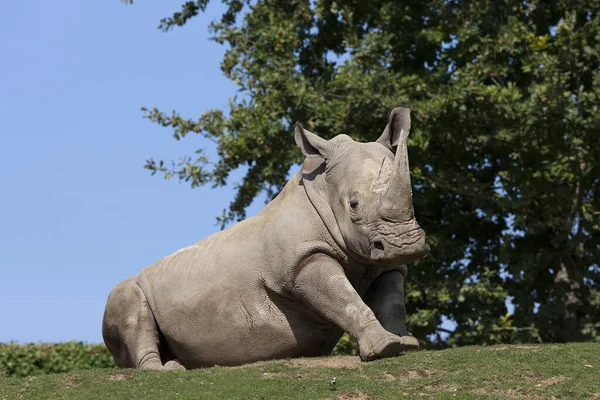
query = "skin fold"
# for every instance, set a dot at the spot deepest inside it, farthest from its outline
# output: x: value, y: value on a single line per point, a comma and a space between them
x: 328, y: 255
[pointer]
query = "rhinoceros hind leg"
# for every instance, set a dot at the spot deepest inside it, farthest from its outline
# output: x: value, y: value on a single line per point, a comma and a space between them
x: 129, y: 328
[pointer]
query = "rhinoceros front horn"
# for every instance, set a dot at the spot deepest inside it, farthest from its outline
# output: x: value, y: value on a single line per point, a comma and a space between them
x: 396, y: 201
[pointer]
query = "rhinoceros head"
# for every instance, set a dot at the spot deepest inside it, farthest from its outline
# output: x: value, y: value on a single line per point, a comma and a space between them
x: 369, y: 192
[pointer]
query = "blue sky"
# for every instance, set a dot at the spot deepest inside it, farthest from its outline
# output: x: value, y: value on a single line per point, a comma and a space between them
x: 78, y: 213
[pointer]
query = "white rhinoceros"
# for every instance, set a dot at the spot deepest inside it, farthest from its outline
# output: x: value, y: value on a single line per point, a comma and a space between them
x: 327, y: 255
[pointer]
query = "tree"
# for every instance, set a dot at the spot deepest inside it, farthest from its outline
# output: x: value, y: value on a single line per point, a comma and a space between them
x: 504, y: 149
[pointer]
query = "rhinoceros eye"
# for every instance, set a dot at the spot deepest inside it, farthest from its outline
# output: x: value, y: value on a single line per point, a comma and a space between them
x: 353, y: 204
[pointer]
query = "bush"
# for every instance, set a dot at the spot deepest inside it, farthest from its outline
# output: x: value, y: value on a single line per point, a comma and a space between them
x: 45, y: 358
x: 345, y: 347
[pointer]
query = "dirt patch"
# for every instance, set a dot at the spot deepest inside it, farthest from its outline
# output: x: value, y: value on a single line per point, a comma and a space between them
x: 551, y: 381
x: 118, y: 377
x: 511, y: 394
x: 352, y: 362
x: 22, y: 392
x: 356, y: 394
x: 541, y: 380
x: 442, y: 388
x: 386, y: 376
x: 420, y: 373
x: 272, y: 375
x: 70, y: 381
x: 505, y: 394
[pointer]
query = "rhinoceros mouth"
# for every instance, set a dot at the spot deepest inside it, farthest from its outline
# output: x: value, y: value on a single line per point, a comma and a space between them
x: 406, y: 239
x: 405, y: 248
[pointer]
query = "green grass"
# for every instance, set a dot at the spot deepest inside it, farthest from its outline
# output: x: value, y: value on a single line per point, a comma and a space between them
x: 570, y: 371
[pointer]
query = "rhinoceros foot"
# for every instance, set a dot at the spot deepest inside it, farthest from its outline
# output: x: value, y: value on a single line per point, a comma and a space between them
x: 173, y: 365
x: 388, y: 346
x: 411, y: 343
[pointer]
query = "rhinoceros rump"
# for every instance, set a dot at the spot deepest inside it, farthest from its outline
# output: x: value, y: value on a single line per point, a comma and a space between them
x: 327, y: 255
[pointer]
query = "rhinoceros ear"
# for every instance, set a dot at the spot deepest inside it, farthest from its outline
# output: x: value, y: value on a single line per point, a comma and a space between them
x: 399, y: 120
x: 311, y: 144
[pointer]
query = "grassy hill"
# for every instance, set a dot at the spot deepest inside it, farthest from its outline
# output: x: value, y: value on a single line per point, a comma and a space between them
x: 570, y: 371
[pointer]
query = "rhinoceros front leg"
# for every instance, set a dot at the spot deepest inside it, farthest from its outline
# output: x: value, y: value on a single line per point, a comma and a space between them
x: 386, y: 298
x: 321, y: 282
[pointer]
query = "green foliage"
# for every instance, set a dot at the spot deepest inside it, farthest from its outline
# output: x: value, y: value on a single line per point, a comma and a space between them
x: 345, y: 347
x: 44, y: 358
x: 504, y: 149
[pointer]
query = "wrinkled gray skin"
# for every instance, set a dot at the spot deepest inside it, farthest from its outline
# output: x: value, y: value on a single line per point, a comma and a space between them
x: 327, y: 255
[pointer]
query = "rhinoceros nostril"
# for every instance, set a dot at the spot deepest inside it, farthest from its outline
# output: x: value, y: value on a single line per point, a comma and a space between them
x: 378, y: 244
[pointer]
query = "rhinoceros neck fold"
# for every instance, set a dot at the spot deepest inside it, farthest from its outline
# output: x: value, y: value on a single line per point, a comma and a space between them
x: 313, y: 181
